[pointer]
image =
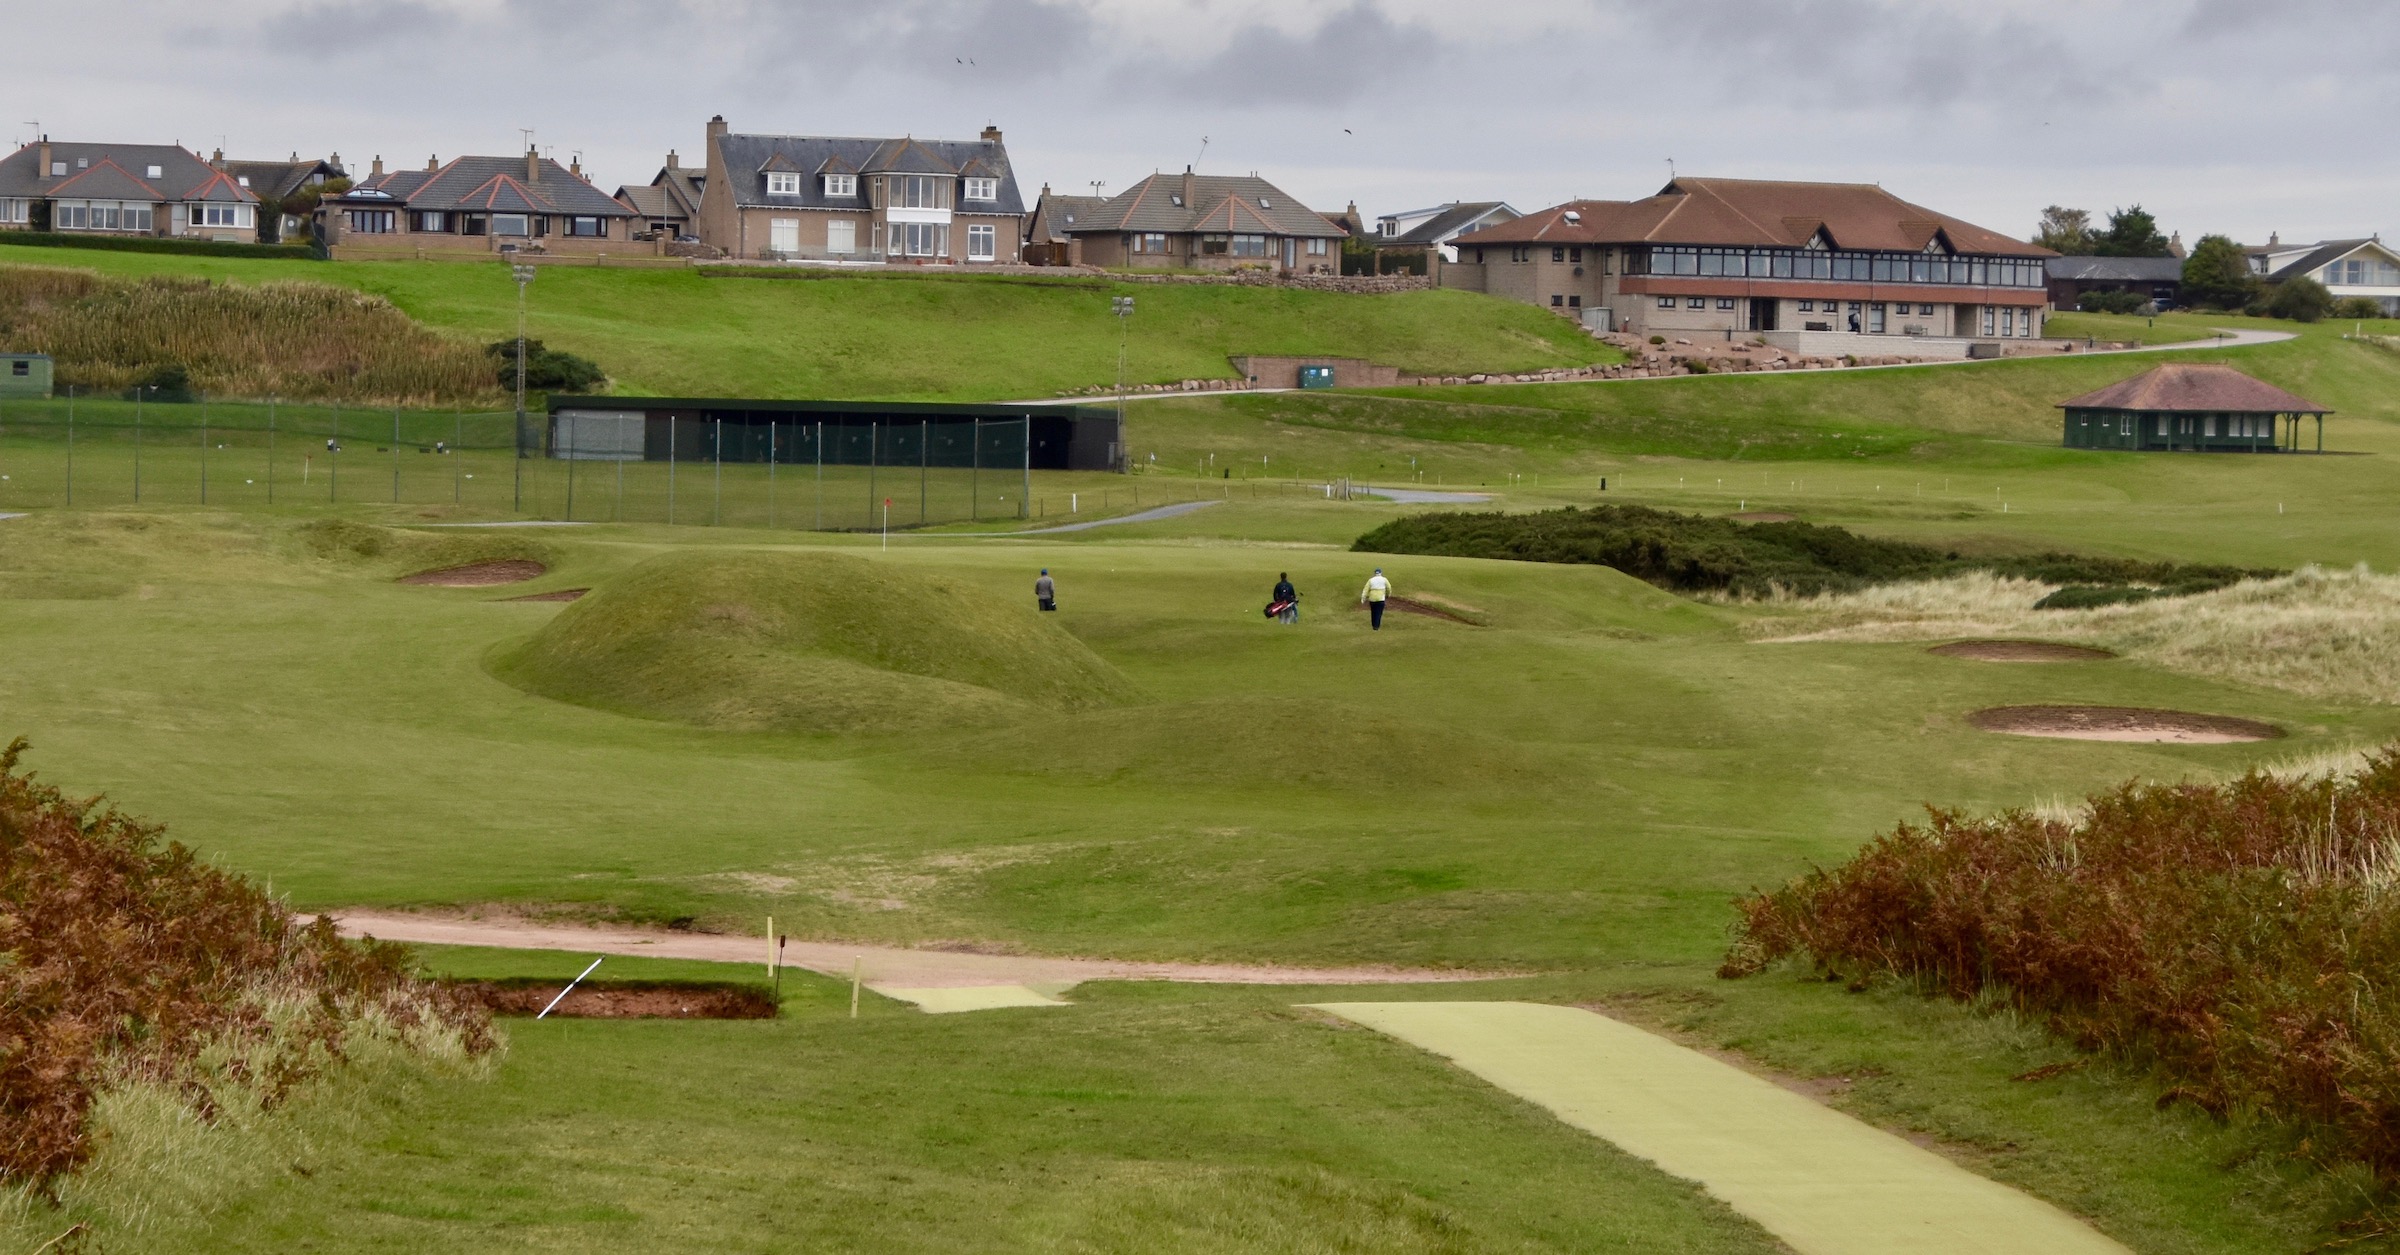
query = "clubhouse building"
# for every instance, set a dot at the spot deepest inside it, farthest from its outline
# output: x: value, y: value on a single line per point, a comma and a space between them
x: 1810, y: 267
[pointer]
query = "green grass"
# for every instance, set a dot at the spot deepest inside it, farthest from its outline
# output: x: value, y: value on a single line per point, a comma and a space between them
x: 671, y: 332
x: 1576, y: 788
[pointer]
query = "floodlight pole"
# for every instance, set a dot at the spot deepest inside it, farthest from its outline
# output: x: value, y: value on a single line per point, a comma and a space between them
x: 1122, y: 307
x: 523, y: 274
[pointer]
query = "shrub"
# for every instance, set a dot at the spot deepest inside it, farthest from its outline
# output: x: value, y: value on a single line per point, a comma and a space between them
x: 1696, y: 366
x: 2244, y: 937
x: 2300, y: 299
x: 546, y: 369
x: 168, y: 382
x: 1698, y: 553
x: 2118, y: 302
x: 300, y: 341
x: 2217, y: 275
x: 154, y: 244
x: 2357, y: 308
x: 2086, y: 596
x: 1658, y: 339
x: 132, y: 961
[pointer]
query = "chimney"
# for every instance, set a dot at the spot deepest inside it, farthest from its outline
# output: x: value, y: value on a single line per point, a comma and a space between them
x: 1187, y: 187
x: 575, y: 165
x: 218, y: 159
x: 433, y: 161
x: 2273, y: 239
x: 717, y: 127
x: 674, y: 162
x: 991, y: 135
x: 334, y: 160
x: 45, y: 171
x: 375, y: 170
x: 533, y: 165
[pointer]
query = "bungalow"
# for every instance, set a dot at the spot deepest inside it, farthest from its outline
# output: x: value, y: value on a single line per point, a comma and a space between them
x: 1047, y: 238
x: 476, y: 205
x: 1727, y: 257
x: 1414, y: 233
x: 123, y: 189
x: 907, y: 200
x: 2193, y: 407
x: 278, y: 185
x: 2347, y: 268
x: 1208, y: 222
x: 669, y: 204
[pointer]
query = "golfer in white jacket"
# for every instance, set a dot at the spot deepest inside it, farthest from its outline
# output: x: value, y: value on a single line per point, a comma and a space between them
x: 1377, y: 589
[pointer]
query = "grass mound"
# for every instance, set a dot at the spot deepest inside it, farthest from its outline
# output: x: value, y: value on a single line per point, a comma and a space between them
x: 812, y: 642
x: 1283, y: 741
x: 406, y: 555
x: 1692, y: 553
x: 2243, y: 937
x: 131, y: 964
x: 295, y: 340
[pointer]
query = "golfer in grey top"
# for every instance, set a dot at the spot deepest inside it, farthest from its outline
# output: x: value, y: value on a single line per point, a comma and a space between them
x: 1045, y: 591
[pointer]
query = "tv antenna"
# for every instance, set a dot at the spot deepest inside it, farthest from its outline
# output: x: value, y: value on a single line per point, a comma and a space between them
x: 527, y: 132
x: 1203, y: 152
x: 1097, y: 184
x: 1670, y: 169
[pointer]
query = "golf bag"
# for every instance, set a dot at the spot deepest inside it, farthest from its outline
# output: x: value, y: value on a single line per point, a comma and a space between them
x: 1277, y: 608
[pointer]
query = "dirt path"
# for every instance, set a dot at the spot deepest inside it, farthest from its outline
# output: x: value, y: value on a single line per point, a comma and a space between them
x: 887, y: 969
x: 1823, y: 1182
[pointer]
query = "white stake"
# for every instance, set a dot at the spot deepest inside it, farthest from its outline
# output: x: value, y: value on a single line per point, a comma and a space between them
x: 562, y: 994
x: 856, y: 962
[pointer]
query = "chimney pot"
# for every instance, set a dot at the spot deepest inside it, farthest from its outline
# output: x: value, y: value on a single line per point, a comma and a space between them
x: 991, y: 135
x: 217, y: 159
x: 533, y: 166
x: 673, y: 162
x: 375, y: 169
x: 717, y: 127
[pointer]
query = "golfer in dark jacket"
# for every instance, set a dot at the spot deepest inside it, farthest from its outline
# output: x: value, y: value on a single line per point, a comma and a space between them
x: 1045, y: 591
x: 1287, y: 597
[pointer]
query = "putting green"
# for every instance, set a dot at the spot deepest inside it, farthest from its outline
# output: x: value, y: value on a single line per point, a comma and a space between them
x: 1821, y: 1181
x: 947, y: 999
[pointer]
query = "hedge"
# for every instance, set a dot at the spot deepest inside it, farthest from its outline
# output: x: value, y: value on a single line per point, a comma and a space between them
x: 153, y: 244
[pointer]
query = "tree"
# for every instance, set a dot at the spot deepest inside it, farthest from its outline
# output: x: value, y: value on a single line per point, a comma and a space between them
x: 2217, y: 275
x: 2300, y: 299
x: 2132, y: 232
x: 300, y: 204
x: 2064, y: 230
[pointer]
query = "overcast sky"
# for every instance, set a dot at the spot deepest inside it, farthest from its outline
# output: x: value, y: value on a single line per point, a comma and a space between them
x: 2233, y: 116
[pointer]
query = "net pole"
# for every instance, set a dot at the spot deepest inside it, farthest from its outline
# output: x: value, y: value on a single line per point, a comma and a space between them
x: 975, y: 475
x: 716, y: 515
x: 924, y: 463
x: 670, y: 470
x: 270, y: 449
x: 820, y: 524
x: 771, y: 425
x: 204, y: 450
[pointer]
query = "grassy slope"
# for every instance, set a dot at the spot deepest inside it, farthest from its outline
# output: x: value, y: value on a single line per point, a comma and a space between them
x: 672, y: 332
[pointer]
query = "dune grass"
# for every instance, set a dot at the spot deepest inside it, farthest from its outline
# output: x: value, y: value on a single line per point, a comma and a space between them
x: 672, y: 332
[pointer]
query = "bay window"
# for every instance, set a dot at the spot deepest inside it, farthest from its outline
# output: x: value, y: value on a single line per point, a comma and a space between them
x: 1249, y: 246
x: 919, y: 239
x: 916, y: 191
x: 215, y: 215
x: 1212, y: 245
x: 15, y: 210
x: 100, y: 215
x: 983, y: 242
x: 511, y: 224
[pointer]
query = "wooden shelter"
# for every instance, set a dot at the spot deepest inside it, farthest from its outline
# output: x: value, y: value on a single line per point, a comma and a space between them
x: 2192, y: 407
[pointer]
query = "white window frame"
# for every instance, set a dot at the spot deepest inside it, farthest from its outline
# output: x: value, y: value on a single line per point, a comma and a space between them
x: 524, y: 225
x: 219, y: 214
x: 983, y: 189
x: 13, y: 209
x: 983, y: 242
x: 916, y: 191
x: 374, y: 221
x: 919, y: 239
x: 783, y: 183
x: 783, y: 235
x: 432, y: 220
x: 1248, y: 244
x: 841, y: 185
x: 841, y: 237
x: 1666, y: 302
x: 1695, y: 302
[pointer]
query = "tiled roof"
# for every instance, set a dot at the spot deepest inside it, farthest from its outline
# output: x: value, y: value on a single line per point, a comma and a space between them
x: 2117, y: 269
x: 2195, y: 387
x: 106, y: 180
x: 651, y: 200
x: 180, y: 171
x: 1452, y: 218
x: 1755, y: 213
x: 2313, y: 258
x: 496, y: 184
x: 1053, y: 214
x: 1244, y: 204
x: 746, y: 158
x: 275, y: 178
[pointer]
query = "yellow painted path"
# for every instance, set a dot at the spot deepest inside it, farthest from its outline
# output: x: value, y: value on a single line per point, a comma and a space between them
x: 1823, y: 1182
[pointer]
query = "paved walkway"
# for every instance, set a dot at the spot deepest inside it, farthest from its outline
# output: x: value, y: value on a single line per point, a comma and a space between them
x: 1823, y: 1182
x: 1152, y: 515
x: 937, y: 980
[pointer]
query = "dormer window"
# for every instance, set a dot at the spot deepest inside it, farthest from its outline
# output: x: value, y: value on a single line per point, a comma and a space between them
x: 840, y: 185
x: 983, y: 189
x: 57, y: 168
x: 783, y: 183
x: 154, y: 172
x: 83, y: 163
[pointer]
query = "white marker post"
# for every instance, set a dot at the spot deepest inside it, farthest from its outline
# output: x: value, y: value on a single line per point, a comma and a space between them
x: 562, y: 994
x: 887, y: 524
x: 857, y: 962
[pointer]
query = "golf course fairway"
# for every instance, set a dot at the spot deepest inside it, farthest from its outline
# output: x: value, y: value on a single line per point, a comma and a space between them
x: 1821, y: 1181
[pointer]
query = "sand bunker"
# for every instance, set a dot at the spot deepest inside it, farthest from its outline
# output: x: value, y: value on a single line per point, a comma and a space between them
x: 1408, y: 605
x: 627, y: 1000
x: 2020, y: 651
x: 2121, y: 723
x: 479, y: 574
x: 564, y: 594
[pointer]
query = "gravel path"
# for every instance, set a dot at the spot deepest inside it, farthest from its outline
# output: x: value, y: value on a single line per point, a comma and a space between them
x: 1824, y: 1183
x: 887, y: 969
x: 1153, y: 515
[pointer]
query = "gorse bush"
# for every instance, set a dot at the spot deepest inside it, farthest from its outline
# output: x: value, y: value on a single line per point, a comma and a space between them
x: 129, y: 962
x: 1699, y: 553
x: 301, y: 341
x: 2243, y: 938
x: 546, y: 369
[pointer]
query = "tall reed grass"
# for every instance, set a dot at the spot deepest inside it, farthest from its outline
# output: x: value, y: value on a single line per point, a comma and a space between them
x: 2241, y: 937
x: 2317, y: 631
x: 301, y: 341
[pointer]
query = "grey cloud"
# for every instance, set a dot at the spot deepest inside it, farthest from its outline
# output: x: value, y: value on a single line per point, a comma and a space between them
x: 333, y: 27
x: 1355, y: 53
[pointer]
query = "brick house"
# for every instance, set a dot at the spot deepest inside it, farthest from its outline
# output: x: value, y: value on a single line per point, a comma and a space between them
x: 275, y: 183
x: 476, y: 205
x: 1748, y: 257
x: 826, y: 198
x: 123, y: 189
x: 669, y: 205
x: 1193, y: 221
x: 1047, y: 242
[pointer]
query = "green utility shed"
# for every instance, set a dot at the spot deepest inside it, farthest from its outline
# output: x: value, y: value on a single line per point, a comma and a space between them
x: 2192, y: 407
x: 24, y: 374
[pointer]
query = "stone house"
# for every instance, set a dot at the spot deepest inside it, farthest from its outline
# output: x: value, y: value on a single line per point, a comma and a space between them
x: 884, y: 201
x: 123, y: 189
x: 471, y: 205
x: 668, y: 206
x: 1748, y: 258
x: 1207, y: 222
